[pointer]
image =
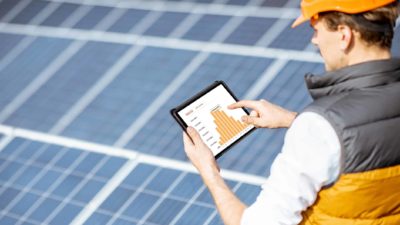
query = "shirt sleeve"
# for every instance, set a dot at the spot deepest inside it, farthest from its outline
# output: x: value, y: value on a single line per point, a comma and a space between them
x: 309, y: 160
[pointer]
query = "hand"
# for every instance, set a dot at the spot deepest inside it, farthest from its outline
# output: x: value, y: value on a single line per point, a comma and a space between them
x: 265, y: 114
x: 199, y: 154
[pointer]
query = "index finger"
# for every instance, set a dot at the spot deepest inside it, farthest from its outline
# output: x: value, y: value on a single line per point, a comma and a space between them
x: 244, y: 103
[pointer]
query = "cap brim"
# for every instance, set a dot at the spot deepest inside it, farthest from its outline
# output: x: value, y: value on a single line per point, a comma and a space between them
x: 301, y: 19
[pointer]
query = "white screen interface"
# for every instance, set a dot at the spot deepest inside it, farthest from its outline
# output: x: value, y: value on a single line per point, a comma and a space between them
x: 217, y: 125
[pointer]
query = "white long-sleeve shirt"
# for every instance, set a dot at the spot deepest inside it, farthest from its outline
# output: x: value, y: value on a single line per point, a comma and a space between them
x: 309, y: 160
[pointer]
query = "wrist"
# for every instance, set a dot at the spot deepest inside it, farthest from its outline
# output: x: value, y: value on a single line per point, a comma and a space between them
x: 290, y: 118
x: 210, y: 175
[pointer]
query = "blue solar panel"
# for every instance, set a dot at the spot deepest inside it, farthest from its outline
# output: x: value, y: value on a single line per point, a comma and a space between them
x: 138, y: 208
x: 296, y: 39
x: 139, y: 84
x: 197, y: 215
x: 396, y: 42
x: 93, y: 17
x: 27, y: 65
x: 141, y: 197
x: 165, y: 24
x: 206, y: 27
x: 204, y: 1
x: 43, y: 109
x: 166, y: 211
x: 6, y: 6
x: 34, y: 180
x: 237, y: 2
x: 250, y: 31
x: 9, y: 41
x: 128, y: 20
x: 274, y: 3
x: 30, y: 11
x: 57, y: 17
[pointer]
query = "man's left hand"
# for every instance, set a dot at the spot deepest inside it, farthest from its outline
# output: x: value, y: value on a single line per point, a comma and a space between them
x: 199, y: 154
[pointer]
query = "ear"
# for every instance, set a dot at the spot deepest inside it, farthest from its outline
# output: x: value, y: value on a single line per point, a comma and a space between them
x: 346, y: 37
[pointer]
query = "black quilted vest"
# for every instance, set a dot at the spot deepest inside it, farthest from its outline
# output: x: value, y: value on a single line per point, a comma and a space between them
x: 362, y: 103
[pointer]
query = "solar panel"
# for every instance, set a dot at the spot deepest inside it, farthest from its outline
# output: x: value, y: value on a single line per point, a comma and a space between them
x: 297, y: 39
x: 42, y: 182
x: 29, y: 12
x: 48, y: 104
x: 126, y: 22
x: 93, y: 17
x: 250, y: 31
x: 165, y: 24
x: 17, y: 74
x: 139, y: 84
x: 85, y: 92
x: 206, y: 27
x: 60, y: 14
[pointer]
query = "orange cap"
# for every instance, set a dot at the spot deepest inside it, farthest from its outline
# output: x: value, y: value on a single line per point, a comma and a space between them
x: 310, y: 8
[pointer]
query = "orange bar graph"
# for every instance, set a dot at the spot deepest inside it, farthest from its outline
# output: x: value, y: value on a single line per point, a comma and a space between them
x: 227, y: 126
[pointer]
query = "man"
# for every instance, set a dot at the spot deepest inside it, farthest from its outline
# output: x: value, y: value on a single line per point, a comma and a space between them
x: 340, y: 163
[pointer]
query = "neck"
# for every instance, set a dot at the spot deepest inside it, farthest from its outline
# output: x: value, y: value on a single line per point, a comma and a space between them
x: 367, y: 53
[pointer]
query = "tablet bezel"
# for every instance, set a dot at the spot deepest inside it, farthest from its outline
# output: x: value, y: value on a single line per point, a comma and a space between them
x: 183, y: 125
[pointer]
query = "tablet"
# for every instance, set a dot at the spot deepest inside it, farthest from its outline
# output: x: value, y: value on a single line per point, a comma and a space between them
x: 219, y: 127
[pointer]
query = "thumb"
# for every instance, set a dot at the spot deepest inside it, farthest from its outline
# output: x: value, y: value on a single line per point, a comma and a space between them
x: 252, y: 120
x: 194, y: 135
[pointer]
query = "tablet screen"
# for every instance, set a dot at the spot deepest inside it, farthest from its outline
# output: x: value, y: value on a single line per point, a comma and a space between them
x: 218, y: 126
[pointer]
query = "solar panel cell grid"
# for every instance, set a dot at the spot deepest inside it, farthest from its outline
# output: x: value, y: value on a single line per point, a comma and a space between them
x: 237, y: 2
x: 274, y: 3
x: 188, y: 186
x: 165, y: 24
x: 138, y: 208
x: 128, y: 20
x: 206, y: 27
x: 166, y: 211
x: 6, y: 6
x: 57, y: 17
x: 29, y: 12
x: 9, y: 41
x: 297, y: 39
x: 47, y: 180
x: 66, y: 86
x: 396, y: 42
x: 16, y: 75
x: 25, y: 203
x: 93, y: 17
x: 138, y: 84
x: 250, y: 31
x: 116, y: 199
x: 66, y: 215
x: 142, y: 197
x: 98, y: 218
x: 195, y: 215
x: 33, y: 186
x: 7, y: 196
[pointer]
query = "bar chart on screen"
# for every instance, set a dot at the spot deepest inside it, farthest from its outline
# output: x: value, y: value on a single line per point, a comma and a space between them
x: 217, y: 125
x: 227, y: 126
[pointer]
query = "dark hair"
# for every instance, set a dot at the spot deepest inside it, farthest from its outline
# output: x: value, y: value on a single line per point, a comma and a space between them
x: 376, y: 27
